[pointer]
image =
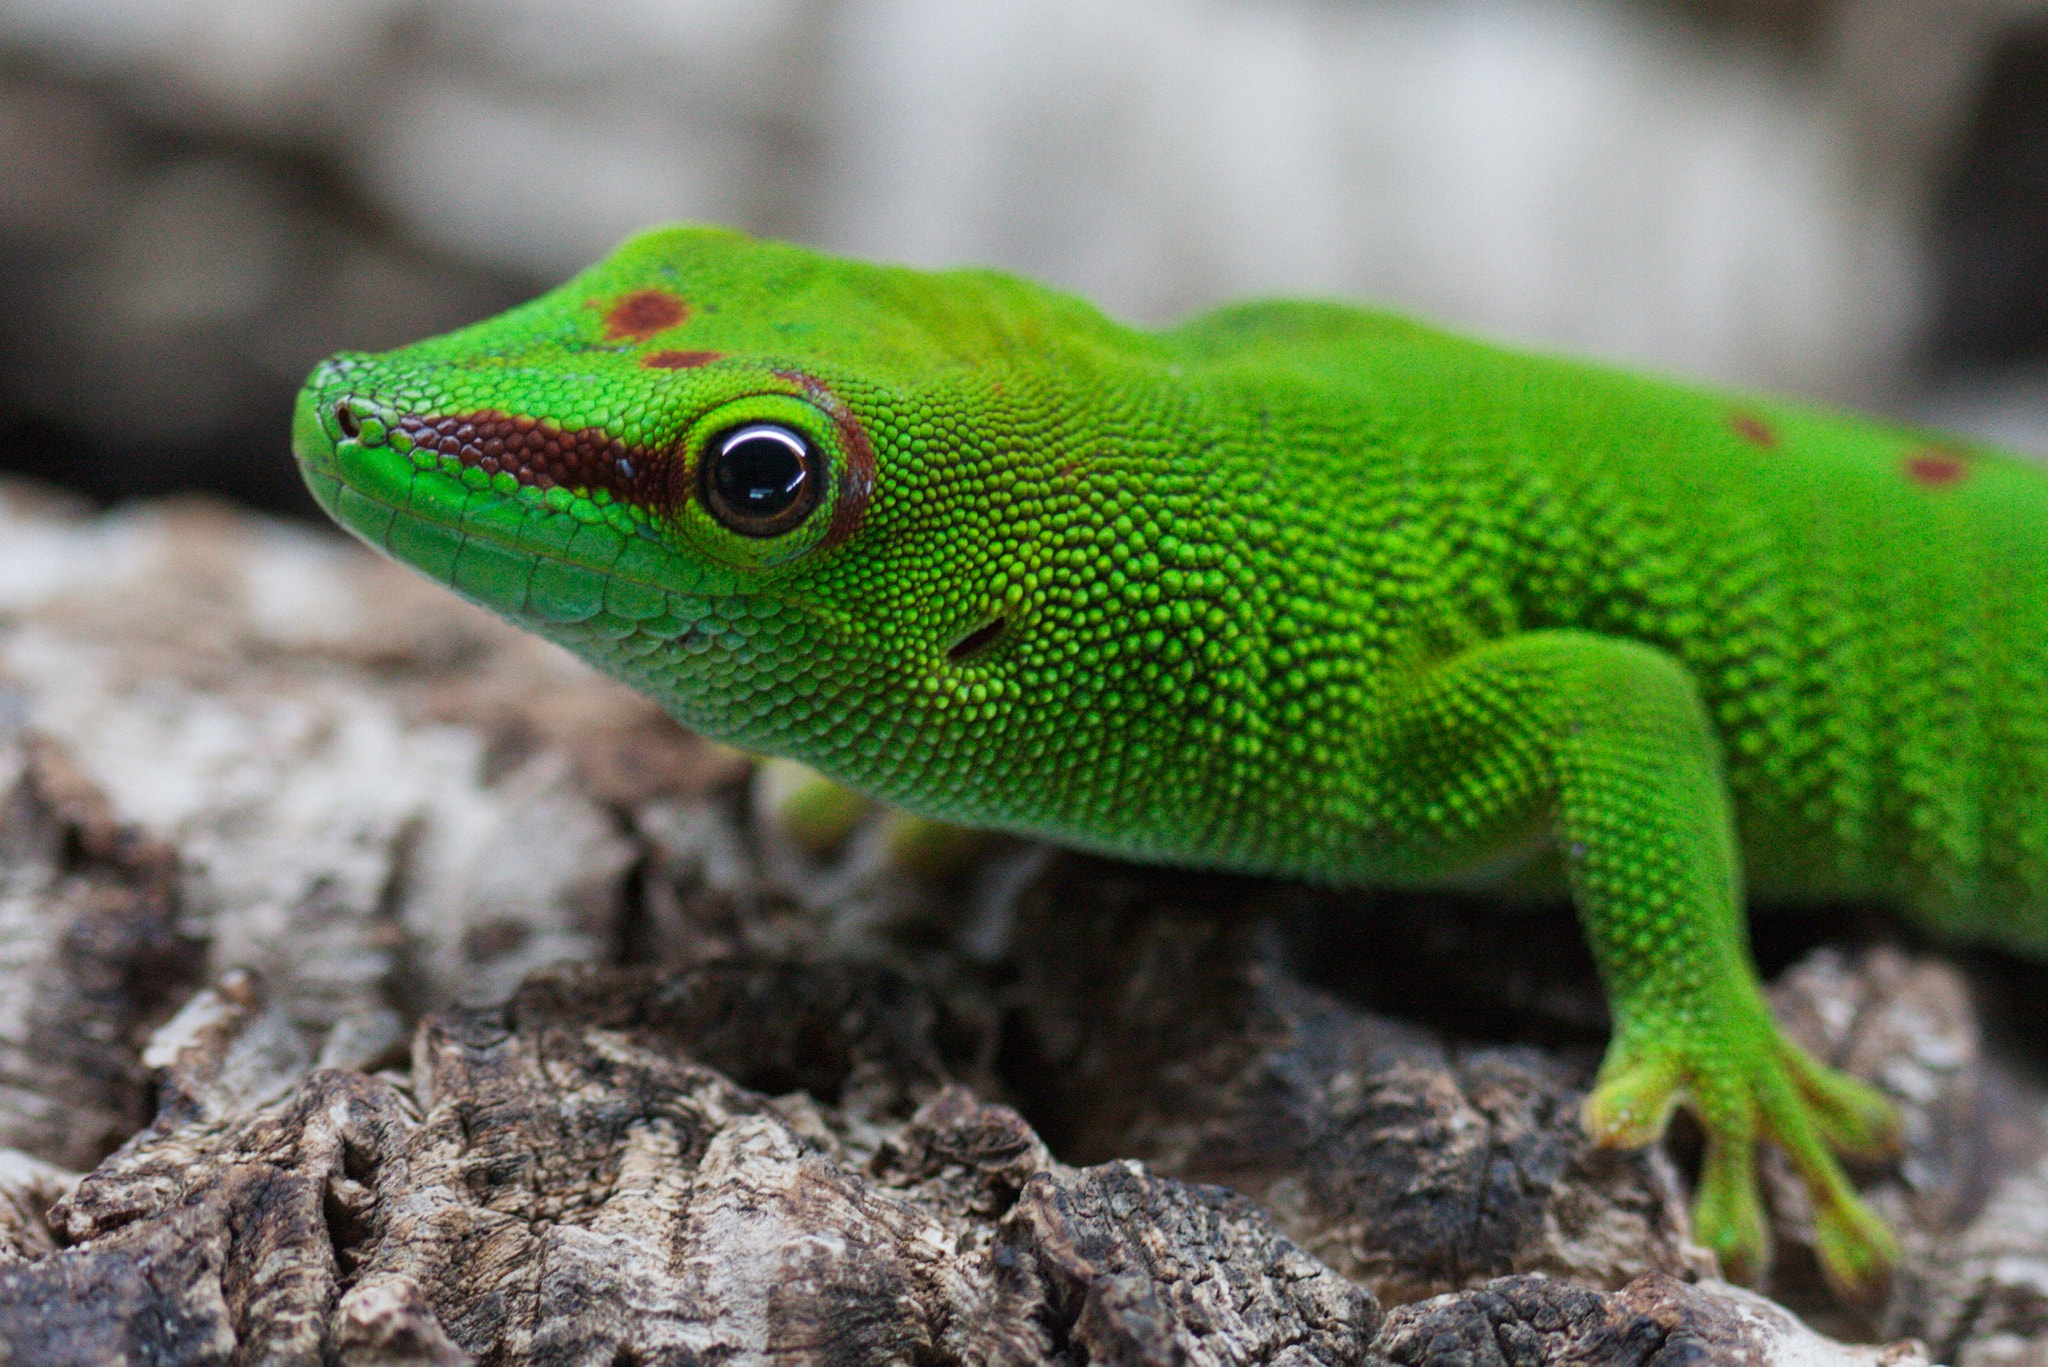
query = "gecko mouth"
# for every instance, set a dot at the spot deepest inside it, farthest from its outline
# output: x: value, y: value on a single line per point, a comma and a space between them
x: 364, y: 469
x: 370, y: 490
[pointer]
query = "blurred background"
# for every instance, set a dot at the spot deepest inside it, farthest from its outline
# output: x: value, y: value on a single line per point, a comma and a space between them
x: 1845, y: 199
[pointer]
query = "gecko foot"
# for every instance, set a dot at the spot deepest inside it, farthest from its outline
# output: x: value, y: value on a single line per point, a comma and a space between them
x: 1745, y: 1082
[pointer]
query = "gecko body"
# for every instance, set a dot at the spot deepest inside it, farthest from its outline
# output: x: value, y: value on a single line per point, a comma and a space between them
x: 1290, y: 588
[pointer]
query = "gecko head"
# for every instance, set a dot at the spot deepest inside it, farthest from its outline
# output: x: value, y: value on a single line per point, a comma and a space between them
x: 782, y: 493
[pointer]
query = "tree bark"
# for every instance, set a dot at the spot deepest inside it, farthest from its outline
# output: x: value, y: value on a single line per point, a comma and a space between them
x: 379, y: 986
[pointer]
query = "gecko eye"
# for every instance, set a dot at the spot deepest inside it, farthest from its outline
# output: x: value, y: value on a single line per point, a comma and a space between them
x: 761, y: 480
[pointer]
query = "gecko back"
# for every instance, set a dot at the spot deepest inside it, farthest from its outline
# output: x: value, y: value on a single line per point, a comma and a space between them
x: 1292, y: 588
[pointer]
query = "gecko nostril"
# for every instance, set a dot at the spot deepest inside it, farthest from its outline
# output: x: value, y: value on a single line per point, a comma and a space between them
x: 345, y: 418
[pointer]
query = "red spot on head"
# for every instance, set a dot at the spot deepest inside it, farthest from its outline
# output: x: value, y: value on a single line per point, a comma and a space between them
x: 1752, y: 429
x: 1936, y: 467
x: 678, y: 360
x: 637, y: 316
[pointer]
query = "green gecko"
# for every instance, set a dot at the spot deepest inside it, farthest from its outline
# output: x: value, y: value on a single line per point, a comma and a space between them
x: 1292, y: 588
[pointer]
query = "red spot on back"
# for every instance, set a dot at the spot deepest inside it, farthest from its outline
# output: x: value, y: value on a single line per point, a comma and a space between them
x: 1935, y: 467
x: 637, y: 316
x: 678, y: 360
x: 1752, y: 429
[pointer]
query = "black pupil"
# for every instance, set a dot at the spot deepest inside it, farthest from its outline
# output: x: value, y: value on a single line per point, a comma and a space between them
x: 761, y: 470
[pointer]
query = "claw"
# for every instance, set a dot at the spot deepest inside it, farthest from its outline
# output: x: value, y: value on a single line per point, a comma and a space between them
x: 1631, y: 1105
x: 1853, y: 1118
x: 1728, y: 1213
x: 1857, y: 1251
x: 1811, y: 1111
x: 1822, y: 1113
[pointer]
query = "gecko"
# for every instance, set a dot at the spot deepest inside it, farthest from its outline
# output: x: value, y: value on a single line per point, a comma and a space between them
x: 1292, y: 588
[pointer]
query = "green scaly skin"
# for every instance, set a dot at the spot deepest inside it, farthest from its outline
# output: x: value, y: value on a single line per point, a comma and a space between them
x: 1293, y: 588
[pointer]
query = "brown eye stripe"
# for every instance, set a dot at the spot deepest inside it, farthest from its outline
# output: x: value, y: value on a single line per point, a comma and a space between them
x: 545, y: 456
x: 856, y: 471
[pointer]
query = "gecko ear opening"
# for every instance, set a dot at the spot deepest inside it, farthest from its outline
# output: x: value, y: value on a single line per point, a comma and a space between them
x: 978, y: 641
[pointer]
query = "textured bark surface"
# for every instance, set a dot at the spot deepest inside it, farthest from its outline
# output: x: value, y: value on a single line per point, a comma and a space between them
x: 558, y: 1180
x: 377, y: 986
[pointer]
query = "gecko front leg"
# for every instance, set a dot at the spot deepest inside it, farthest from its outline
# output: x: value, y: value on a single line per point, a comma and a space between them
x: 1606, y: 740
